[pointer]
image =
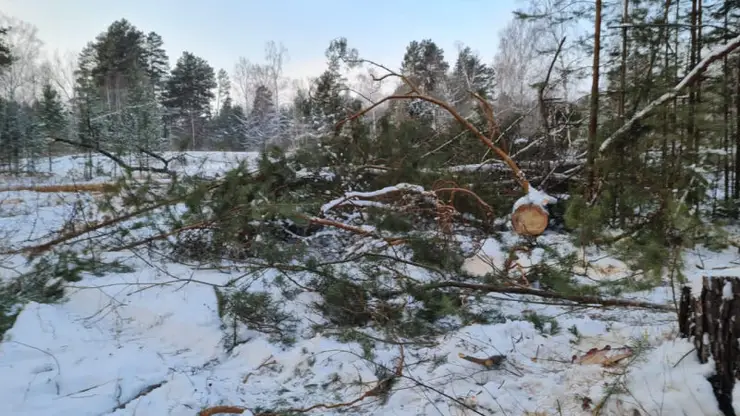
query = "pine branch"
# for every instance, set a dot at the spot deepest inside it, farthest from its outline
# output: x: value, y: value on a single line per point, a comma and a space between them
x: 595, y: 300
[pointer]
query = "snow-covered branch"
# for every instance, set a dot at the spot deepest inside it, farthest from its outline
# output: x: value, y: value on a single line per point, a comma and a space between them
x: 702, y: 66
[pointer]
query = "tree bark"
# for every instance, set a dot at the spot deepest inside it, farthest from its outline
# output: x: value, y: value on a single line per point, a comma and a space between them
x: 594, y: 107
x: 711, y: 319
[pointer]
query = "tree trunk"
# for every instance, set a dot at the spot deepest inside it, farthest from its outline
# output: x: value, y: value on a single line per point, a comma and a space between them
x: 736, y: 185
x: 712, y: 321
x: 594, y: 107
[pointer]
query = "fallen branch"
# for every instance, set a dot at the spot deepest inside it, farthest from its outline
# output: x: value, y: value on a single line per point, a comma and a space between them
x: 215, y: 410
x: 120, y: 162
x: 595, y: 300
x: 357, y: 230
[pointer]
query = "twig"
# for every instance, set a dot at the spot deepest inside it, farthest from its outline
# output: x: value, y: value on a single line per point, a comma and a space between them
x: 546, y: 83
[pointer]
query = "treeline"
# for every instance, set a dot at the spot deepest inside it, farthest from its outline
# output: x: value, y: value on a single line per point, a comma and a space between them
x: 125, y: 97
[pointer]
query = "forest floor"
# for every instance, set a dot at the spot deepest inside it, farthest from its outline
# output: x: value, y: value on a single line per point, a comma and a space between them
x: 148, y: 340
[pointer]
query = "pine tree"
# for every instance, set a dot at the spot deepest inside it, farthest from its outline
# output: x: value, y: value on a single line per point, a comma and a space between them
x: 262, y: 122
x: 51, y: 117
x: 119, y: 77
x: 157, y: 62
x: 12, y: 136
x: 227, y: 128
x: 188, y: 95
x: 424, y: 63
x: 223, y: 89
x: 88, y: 105
x: 470, y: 74
x: 119, y: 53
x: 33, y: 142
x: 143, y: 117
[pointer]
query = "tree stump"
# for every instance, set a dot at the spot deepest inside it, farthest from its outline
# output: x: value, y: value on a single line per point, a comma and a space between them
x: 712, y: 321
x: 529, y: 220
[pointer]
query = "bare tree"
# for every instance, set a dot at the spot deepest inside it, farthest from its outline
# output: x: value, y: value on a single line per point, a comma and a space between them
x: 249, y: 76
x: 516, y: 62
x: 59, y: 71
x: 276, y: 55
x: 19, y: 80
x: 242, y: 81
x: 366, y: 86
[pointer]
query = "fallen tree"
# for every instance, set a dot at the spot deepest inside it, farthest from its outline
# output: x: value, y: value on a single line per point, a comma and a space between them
x: 530, y: 216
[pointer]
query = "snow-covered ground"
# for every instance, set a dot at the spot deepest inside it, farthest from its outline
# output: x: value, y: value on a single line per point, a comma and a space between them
x: 150, y: 342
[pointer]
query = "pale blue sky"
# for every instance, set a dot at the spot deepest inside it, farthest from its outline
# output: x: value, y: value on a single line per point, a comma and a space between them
x: 222, y: 30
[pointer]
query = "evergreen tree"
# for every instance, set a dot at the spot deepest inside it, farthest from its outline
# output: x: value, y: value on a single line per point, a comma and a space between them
x: 143, y: 116
x: 223, y: 89
x: 117, y: 82
x: 227, y: 131
x: 328, y: 102
x: 424, y: 63
x: 88, y: 106
x: 119, y: 54
x: 12, y: 136
x: 263, y: 121
x: 52, y: 122
x: 470, y: 74
x: 157, y: 62
x: 188, y: 95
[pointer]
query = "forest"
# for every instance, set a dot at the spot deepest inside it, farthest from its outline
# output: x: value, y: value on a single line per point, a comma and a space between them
x: 552, y: 230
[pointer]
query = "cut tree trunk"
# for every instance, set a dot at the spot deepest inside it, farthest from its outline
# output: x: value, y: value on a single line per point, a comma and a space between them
x: 712, y: 321
x: 529, y: 220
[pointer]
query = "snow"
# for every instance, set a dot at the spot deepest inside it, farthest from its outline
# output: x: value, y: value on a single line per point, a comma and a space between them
x: 355, y: 194
x: 69, y: 169
x: 151, y: 342
x: 534, y: 197
x: 701, y: 263
x: 669, y: 380
x: 727, y: 291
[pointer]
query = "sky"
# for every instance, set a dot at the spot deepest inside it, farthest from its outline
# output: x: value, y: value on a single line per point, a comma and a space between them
x: 221, y: 31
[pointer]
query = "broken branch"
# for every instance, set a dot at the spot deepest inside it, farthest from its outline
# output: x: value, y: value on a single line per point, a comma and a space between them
x: 417, y: 95
x: 716, y: 55
x: 120, y: 162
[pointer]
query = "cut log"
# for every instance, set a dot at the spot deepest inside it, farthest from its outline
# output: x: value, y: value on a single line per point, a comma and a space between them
x: 711, y: 319
x: 529, y: 220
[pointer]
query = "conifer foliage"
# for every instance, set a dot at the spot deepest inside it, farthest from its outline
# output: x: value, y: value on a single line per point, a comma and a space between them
x: 349, y: 192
